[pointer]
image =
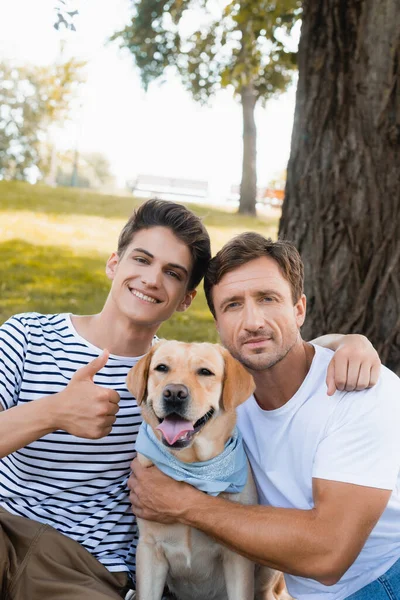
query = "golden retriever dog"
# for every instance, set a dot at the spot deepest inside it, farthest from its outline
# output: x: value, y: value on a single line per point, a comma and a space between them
x: 188, y: 394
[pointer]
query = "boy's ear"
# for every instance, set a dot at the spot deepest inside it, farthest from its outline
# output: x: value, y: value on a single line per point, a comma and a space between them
x: 111, y: 265
x: 187, y: 301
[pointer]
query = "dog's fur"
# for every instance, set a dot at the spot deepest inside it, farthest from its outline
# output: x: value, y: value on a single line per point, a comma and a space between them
x: 194, y: 566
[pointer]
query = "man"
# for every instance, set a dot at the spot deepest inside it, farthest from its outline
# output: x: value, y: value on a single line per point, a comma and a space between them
x: 326, y: 467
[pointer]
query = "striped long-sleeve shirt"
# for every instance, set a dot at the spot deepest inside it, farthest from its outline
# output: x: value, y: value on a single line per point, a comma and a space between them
x: 77, y: 485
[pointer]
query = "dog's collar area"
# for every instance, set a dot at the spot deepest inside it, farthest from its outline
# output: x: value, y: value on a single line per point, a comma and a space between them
x: 226, y: 472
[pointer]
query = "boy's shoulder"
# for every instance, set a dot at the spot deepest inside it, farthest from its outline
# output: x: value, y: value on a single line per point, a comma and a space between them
x: 35, y: 323
x: 36, y: 318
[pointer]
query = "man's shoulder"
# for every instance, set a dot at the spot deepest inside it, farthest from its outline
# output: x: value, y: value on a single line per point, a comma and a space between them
x: 323, y: 357
x: 320, y: 362
x: 314, y: 384
x: 388, y: 385
x: 381, y: 400
x: 378, y: 404
x: 388, y: 377
x: 387, y: 389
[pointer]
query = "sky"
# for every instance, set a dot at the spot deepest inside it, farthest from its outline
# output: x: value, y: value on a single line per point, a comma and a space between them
x: 161, y: 132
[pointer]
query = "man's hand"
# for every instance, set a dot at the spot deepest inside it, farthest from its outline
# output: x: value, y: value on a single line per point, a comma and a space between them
x: 354, y: 366
x: 156, y: 497
x: 85, y: 409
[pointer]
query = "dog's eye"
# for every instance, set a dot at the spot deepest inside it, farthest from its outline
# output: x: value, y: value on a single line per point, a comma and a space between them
x: 205, y: 372
x: 162, y: 368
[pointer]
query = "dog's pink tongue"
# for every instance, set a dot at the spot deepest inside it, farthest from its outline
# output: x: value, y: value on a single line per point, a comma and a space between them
x: 173, y: 427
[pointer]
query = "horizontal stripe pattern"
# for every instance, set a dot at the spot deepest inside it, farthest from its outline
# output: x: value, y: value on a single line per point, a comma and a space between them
x: 78, y: 486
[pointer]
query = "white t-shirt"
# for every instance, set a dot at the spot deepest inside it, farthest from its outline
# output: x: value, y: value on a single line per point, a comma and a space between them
x: 77, y: 485
x: 351, y: 437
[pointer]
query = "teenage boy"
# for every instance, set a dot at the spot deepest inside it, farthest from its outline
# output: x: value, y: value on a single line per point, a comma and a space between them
x: 327, y: 468
x: 69, y: 425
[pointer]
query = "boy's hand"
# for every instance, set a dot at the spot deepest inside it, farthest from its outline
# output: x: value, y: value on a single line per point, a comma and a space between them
x: 85, y: 409
x: 354, y: 366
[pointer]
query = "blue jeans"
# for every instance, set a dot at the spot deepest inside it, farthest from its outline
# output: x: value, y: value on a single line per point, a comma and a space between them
x: 386, y: 587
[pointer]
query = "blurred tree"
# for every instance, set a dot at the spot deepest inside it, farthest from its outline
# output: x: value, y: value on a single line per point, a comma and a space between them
x: 100, y: 166
x: 31, y: 99
x: 241, y: 45
x: 19, y: 122
x: 342, y: 202
x: 93, y: 170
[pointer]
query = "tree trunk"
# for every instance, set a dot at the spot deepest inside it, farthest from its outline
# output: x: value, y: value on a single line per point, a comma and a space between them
x: 342, y: 203
x: 248, y: 186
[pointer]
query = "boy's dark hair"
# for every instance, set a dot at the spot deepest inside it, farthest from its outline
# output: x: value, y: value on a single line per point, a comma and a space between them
x: 185, y: 225
x: 250, y: 246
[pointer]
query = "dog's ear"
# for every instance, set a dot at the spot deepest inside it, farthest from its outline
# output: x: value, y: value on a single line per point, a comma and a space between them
x: 238, y: 383
x: 137, y: 377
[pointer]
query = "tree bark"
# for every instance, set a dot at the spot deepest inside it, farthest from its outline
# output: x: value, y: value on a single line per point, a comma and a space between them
x: 248, y: 186
x: 342, y: 203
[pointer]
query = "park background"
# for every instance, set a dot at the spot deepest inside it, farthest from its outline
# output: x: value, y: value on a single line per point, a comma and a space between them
x: 82, y: 115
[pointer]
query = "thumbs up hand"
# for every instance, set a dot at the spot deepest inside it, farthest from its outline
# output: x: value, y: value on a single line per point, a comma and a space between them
x: 85, y: 409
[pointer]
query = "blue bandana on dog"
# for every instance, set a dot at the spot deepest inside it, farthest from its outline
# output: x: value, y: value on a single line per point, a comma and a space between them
x: 227, y: 472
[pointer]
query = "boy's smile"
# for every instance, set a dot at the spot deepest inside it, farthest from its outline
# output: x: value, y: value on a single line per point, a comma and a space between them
x: 144, y: 297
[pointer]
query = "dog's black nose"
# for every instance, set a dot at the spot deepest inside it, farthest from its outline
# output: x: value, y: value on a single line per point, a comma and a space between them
x: 175, y: 392
x: 175, y: 399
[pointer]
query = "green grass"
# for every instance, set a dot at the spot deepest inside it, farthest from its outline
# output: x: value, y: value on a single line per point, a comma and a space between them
x: 49, y: 279
x: 54, y: 244
x: 63, y: 201
x: 18, y: 196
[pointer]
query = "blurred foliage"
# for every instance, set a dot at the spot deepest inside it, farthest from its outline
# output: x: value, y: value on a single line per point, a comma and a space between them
x: 31, y: 99
x: 240, y: 45
x: 93, y: 170
x: 65, y: 13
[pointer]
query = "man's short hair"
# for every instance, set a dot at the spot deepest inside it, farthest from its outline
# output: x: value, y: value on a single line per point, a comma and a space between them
x: 185, y: 225
x: 247, y: 247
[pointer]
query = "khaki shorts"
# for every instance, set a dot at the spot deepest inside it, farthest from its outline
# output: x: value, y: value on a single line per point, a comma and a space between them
x: 39, y: 563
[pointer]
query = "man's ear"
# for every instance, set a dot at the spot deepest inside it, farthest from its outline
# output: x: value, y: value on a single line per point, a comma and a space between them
x: 111, y: 265
x: 187, y: 301
x: 300, y: 310
x: 238, y: 383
